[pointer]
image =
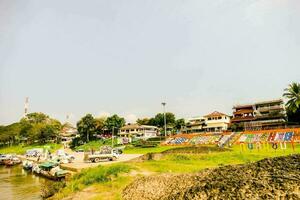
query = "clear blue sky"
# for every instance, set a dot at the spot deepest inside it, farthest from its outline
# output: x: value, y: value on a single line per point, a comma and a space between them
x: 126, y: 57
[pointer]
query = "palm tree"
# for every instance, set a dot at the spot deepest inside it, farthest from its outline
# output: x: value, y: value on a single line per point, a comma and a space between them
x: 292, y: 93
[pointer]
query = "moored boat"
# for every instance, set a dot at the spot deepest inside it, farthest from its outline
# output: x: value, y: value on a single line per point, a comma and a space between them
x: 50, y: 170
x: 11, y: 161
x: 27, y: 165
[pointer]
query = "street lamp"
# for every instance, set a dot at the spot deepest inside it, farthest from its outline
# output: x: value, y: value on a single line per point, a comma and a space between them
x: 112, y: 137
x: 165, y: 121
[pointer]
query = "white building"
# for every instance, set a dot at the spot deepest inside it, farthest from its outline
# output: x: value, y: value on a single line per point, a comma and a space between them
x: 216, y: 122
x: 138, y: 131
x: 194, y: 125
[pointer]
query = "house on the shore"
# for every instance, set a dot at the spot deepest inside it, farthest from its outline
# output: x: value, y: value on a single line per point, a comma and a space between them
x: 216, y: 122
x: 68, y: 132
x: 213, y: 122
x: 194, y: 125
x: 259, y: 115
x: 138, y: 131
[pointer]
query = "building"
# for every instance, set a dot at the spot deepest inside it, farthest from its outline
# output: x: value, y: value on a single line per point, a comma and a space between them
x: 260, y: 115
x: 194, y: 125
x: 68, y: 132
x: 138, y: 131
x: 242, y: 114
x: 216, y: 122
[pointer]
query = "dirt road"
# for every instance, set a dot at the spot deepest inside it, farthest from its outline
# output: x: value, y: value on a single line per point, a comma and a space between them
x: 78, y: 164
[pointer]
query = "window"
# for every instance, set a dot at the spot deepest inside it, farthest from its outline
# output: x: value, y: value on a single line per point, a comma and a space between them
x: 219, y: 117
x: 209, y: 118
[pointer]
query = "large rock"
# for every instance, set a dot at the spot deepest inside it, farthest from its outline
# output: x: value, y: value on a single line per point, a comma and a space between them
x: 272, y: 178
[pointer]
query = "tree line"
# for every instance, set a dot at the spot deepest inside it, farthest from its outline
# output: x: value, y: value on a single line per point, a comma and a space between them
x: 33, y: 128
x: 39, y: 128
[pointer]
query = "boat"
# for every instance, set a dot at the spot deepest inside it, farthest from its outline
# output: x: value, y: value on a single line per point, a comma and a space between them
x: 27, y: 165
x: 3, y: 157
x: 12, y: 161
x: 50, y: 170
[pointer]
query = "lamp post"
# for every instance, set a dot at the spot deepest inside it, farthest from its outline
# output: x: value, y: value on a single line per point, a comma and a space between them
x: 112, y: 137
x: 165, y: 121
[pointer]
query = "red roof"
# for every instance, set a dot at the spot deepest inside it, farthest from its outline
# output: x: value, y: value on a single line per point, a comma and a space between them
x: 215, y: 114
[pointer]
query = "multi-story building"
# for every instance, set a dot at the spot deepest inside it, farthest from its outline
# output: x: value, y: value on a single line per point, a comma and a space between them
x: 194, y: 125
x: 68, y: 132
x: 260, y: 115
x: 216, y: 122
x: 213, y: 122
x: 138, y: 131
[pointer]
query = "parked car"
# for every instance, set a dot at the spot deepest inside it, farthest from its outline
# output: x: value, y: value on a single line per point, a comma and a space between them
x: 65, y: 156
x: 105, y: 153
x: 34, y: 152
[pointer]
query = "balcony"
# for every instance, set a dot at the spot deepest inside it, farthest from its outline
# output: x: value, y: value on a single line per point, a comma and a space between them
x: 266, y: 108
x: 271, y: 115
x: 242, y: 119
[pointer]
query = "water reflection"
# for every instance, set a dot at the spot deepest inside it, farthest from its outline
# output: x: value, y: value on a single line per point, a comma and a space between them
x: 16, y: 183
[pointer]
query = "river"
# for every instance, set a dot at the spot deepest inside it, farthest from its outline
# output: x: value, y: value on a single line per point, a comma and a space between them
x: 18, y: 184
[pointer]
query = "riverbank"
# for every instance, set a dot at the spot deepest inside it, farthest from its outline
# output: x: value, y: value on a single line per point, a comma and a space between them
x: 176, y: 162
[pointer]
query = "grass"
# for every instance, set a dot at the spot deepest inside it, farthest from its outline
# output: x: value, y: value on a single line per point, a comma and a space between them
x: 19, y: 149
x: 140, y: 150
x: 183, y: 163
x: 107, y: 182
x: 101, y: 176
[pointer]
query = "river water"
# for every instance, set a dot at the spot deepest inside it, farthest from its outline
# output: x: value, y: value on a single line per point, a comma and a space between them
x: 18, y: 184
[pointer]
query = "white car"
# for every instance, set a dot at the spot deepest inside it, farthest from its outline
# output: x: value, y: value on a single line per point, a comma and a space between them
x: 65, y: 156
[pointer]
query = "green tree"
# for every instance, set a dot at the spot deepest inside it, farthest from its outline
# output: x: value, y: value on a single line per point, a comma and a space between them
x: 114, y: 122
x: 9, y: 134
x: 39, y: 127
x: 143, y: 121
x: 86, y: 127
x: 159, y: 119
x: 292, y: 93
x: 100, y: 124
x: 37, y: 117
x: 179, y: 123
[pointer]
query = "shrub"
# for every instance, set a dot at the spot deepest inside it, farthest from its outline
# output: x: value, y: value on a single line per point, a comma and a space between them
x: 99, y: 174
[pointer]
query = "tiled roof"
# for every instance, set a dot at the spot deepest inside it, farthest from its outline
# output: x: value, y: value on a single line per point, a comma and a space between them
x: 215, y: 114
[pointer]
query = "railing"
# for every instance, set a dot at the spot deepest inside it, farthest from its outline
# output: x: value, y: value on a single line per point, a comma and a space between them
x: 270, y: 108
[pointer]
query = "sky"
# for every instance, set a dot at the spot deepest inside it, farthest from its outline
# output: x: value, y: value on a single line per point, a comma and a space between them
x: 72, y: 57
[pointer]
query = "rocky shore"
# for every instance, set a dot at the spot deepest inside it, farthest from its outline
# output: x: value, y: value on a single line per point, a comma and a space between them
x: 271, y: 178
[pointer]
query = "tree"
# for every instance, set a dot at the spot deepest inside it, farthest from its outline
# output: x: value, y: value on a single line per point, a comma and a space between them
x: 36, y: 117
x: 159, y: 119
x: 143, y: 121
x: 114, y: 122
x: 179, y: 123
x: 34, y: 127
x: 86, y: 127
x: 292, y: 93
x: 100, y: 124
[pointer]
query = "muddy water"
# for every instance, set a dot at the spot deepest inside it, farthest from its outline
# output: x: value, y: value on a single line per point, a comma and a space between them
x: 18, y: 184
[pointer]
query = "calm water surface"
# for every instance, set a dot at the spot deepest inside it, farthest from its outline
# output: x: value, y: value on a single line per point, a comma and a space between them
x: 16, y: 183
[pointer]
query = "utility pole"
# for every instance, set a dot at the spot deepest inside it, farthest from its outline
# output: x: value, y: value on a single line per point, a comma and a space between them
x: 165, y: 120
x: 112, y: 137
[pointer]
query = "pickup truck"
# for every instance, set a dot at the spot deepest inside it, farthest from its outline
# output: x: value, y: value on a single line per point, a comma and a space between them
x: 97, y: 157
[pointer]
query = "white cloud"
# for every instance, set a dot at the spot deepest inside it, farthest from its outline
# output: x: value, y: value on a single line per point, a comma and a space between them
x: 103, y: 114
x: 131, y: 118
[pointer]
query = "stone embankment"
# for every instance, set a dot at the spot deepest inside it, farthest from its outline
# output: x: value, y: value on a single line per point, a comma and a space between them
x: 272, y: 178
